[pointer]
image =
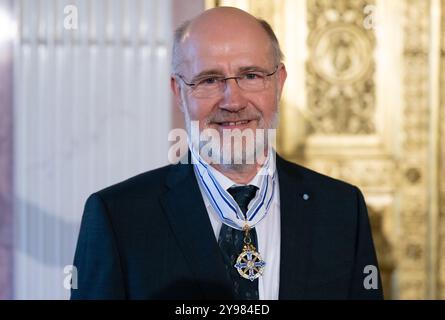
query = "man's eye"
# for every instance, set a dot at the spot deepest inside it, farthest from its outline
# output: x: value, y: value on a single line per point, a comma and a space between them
x: 208, y: 81
x: 252, y: 76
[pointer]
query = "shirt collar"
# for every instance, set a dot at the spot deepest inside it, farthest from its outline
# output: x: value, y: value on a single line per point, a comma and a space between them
x: 226, y: 182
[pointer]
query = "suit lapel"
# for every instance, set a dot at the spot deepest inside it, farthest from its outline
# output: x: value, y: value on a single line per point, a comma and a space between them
x: 295, y: 202
x: 191, y: 225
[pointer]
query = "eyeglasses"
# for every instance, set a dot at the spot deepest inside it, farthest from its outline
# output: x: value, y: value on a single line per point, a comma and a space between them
x: 213, y: 85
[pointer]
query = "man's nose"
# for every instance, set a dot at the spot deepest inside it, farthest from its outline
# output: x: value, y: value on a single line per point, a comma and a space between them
x: 233, y: 99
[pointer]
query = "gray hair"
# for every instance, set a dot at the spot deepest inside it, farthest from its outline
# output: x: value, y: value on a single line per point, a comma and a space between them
x: 182, y: 29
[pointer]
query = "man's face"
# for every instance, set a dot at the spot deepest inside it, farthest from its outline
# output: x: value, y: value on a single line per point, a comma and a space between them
x: 215, y: 51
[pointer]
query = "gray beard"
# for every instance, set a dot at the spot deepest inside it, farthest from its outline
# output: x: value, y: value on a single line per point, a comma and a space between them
x: 238, y: 161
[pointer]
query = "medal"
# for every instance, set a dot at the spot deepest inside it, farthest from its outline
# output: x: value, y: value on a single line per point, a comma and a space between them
x: 249, y: 263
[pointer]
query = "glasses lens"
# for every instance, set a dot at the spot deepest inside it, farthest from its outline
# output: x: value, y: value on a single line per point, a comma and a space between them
x: 207, y: 89
x: 252, y: 82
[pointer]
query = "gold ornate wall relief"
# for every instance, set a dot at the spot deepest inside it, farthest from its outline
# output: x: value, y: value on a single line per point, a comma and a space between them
x: 423, y: 144
x: 348, y: 133
x: 340, y: 68
x: 441, y: 251
x: 412, y: 264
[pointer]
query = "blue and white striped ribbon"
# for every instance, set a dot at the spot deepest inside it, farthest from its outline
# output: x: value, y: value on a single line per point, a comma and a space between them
x: 223, y: 203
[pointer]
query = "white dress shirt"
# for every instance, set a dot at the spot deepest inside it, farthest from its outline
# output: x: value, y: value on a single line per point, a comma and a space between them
x: 268, y: 235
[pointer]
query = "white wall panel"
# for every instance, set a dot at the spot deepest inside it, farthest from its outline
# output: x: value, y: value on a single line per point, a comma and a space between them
x: 92, y: 107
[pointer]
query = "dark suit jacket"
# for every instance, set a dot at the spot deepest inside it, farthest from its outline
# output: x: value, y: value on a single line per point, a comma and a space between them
x: 150, y: 237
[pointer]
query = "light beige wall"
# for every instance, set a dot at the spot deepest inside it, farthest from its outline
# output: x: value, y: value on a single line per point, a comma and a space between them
x: 182, y: 11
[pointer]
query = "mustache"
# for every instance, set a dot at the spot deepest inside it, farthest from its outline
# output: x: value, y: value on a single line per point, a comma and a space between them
x: 224, y: 116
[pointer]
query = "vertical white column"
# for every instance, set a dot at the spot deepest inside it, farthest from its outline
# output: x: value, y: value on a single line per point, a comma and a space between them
x: 92, y: 107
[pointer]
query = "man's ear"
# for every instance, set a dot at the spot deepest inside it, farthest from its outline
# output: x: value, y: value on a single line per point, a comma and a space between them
x: 282, y: 76
x: 176, y: 90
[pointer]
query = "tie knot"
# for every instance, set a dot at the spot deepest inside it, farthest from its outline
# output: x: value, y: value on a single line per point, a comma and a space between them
x: 243, y: 195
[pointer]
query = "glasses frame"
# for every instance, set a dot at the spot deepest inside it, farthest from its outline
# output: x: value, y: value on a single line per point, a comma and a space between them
x: 225, y: 79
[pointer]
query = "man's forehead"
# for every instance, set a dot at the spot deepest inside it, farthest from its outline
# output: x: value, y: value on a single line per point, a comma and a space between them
x: 225, y: 39
x: 203, y: 52
x: 210, y: 65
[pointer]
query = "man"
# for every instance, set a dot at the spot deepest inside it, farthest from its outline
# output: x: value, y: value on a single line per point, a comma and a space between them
x: 266, y: 229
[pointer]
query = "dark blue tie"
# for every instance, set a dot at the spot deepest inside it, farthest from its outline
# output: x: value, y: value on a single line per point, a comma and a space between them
x: 231, y: 242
